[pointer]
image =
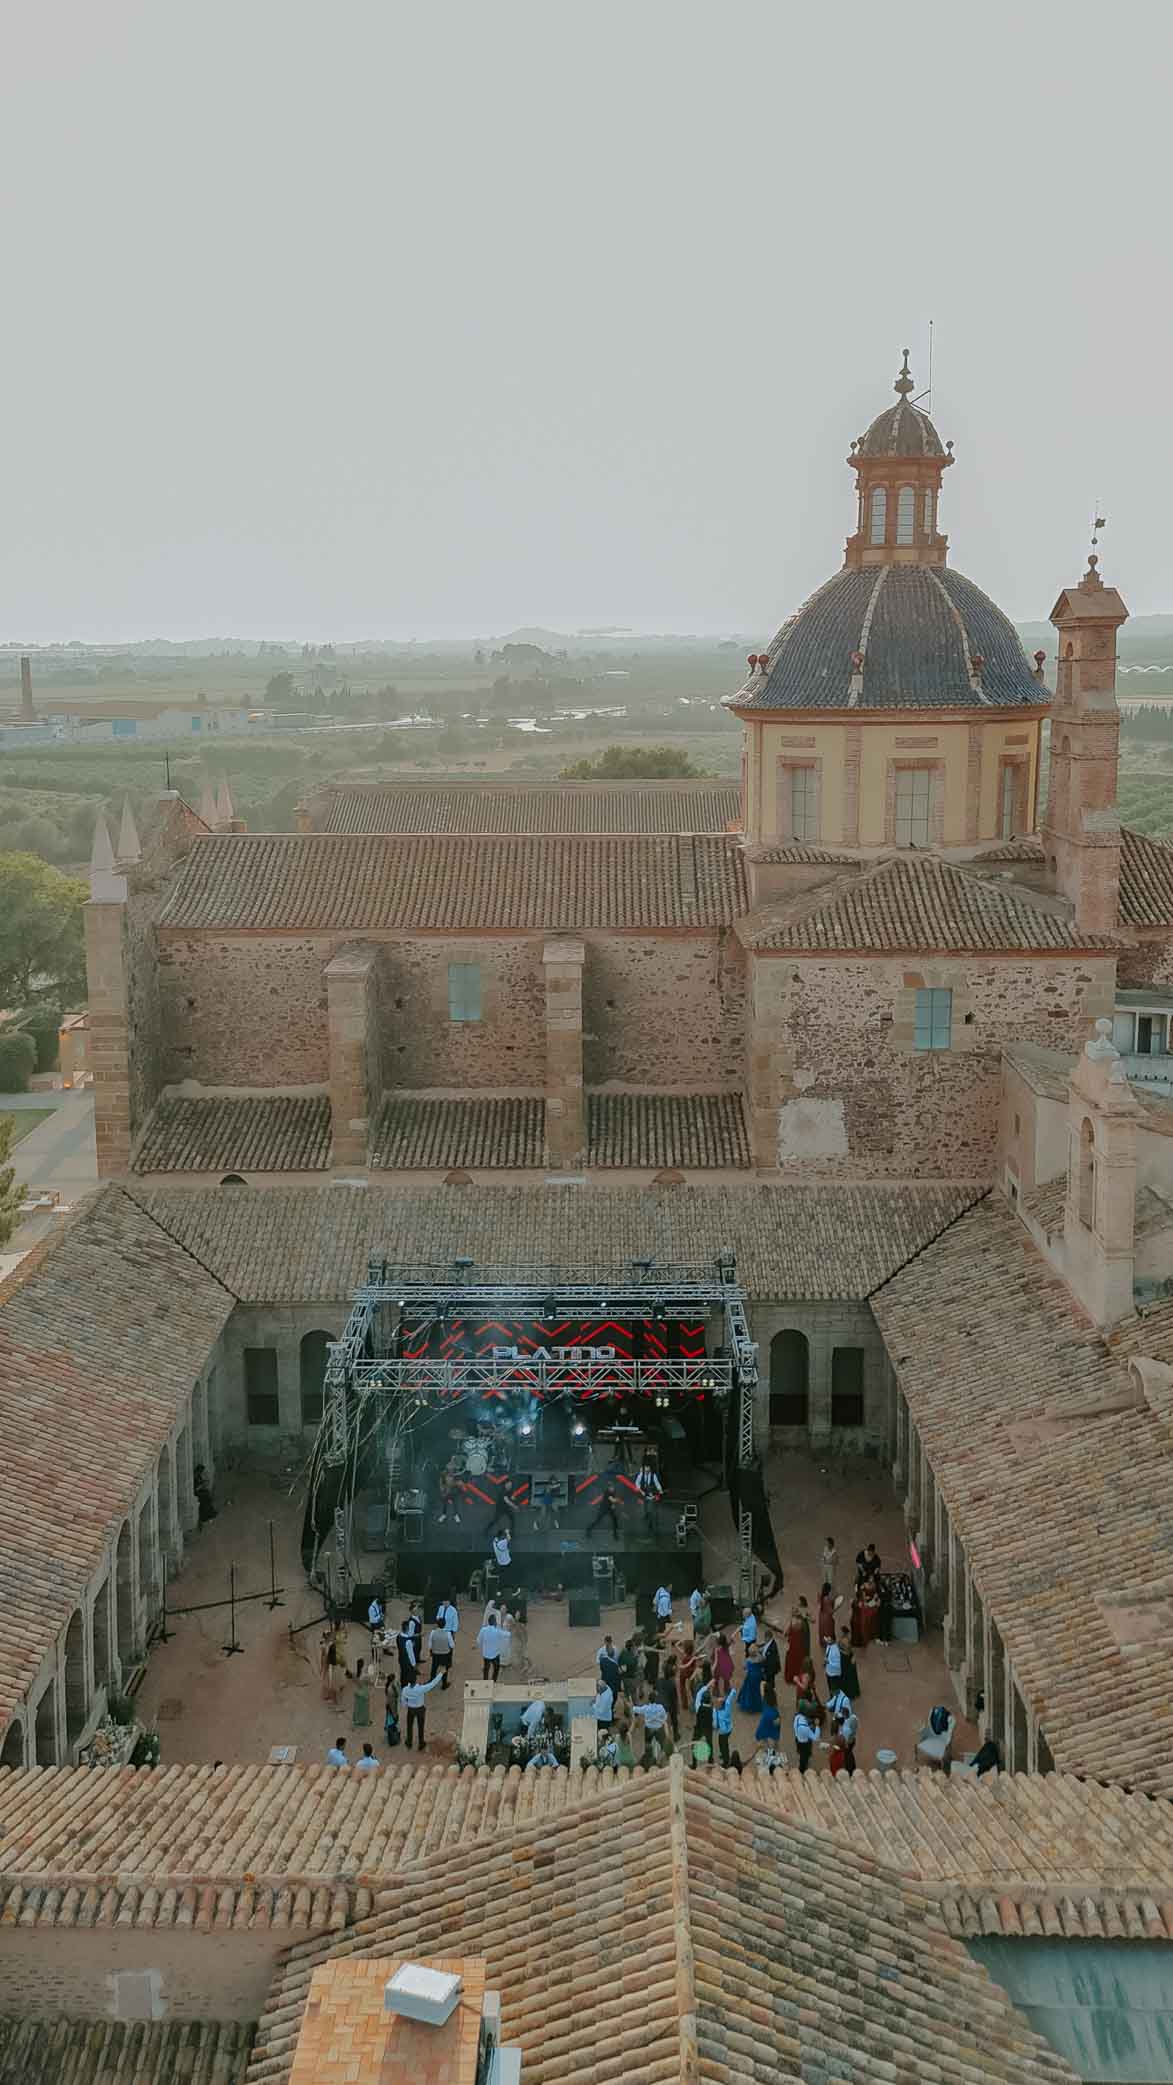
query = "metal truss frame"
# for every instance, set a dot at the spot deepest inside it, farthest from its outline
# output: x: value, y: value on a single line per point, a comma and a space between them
x: 361, y: 1361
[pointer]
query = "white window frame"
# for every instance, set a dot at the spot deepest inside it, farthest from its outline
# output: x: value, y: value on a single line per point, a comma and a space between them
x: 878, y: 515
x: 928, y: 514
x: 906, y: 515
x: 912, y: 816
x: 803, y: 783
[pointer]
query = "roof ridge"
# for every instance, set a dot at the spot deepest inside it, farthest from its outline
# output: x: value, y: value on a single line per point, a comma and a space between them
x: 686, y: 1992
x: 182, y: 1243
x: 981, y: 1194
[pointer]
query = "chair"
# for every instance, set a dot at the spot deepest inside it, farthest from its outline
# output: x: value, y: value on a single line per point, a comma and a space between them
x: 933, y: 1746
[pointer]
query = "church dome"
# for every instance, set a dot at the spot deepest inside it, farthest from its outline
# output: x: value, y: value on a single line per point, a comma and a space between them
x: 901, y: 429
x: 894, y: 637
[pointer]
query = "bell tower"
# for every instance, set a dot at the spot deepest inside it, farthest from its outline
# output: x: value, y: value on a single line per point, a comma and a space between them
x: 1081, y: 829
x: 898, y: 467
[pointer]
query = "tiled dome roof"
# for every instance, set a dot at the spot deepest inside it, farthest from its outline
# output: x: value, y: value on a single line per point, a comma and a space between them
x: 901, y: 429
x: 925, y: 639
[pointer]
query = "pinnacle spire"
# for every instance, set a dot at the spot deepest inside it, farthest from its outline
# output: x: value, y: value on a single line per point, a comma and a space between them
x: 904, y: 383
x: 129, y: 848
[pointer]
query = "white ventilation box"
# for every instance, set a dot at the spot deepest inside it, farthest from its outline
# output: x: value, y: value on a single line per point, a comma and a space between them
x: 429, y: 1995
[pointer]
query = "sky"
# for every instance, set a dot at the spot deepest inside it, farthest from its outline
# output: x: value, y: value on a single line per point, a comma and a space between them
x: 392, y: 320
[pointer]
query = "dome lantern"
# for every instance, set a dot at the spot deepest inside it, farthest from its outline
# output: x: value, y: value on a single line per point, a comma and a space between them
x: 898, y: 465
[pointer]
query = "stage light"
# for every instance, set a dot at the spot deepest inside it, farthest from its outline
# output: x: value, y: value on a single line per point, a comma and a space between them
x: 578, y: 1430
x: 526, y: 1428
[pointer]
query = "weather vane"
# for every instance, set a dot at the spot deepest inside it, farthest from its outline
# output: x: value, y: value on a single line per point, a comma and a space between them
x: 1098, y: 522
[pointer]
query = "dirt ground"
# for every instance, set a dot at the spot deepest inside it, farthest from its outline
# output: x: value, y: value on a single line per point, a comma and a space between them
x: 212, y: 1705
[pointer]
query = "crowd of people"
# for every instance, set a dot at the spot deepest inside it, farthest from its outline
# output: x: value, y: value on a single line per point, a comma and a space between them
x: 395, y: 1661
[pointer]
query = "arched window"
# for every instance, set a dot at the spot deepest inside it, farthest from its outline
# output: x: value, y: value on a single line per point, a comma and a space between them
x: 928, y: 513
x: 879, y: 513
x: 906, y: 514
x: 789, y: 1379
x: 1087, y: 1175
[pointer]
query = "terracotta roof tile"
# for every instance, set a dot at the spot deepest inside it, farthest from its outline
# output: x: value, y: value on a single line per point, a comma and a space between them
x: 917, y: 902
x: 39, y: 2051
x: 680, y: 1930
x: 1146, y: 880
x: 526, y: 807
x: 298, y: 1244
x: 508, y: 1131
x: 1026, y: 848
x: 269, y: 1843
x: 264, y: 1133
x: 1058, y: 1480
x: 102, y: 1335
x: 688, y: 1131
x: 436, y: 883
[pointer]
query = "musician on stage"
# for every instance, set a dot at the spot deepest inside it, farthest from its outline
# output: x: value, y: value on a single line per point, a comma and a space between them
x: 608, y: 1507
x: 651, y: 1491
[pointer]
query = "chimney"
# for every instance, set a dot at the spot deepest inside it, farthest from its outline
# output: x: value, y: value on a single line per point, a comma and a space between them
x: 28, y: 714
x: 418, y: 1993
x: 1081, y: 829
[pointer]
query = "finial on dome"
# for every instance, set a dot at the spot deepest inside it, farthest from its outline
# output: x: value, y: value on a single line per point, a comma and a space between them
x: 904, y: 382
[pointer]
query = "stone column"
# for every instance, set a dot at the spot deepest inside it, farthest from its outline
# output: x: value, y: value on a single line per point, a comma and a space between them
x: 764, y: 1061
x: 566, y: 1127
x: 955, y: 1612
x: 900, y: 1460
x: 350, y: 1015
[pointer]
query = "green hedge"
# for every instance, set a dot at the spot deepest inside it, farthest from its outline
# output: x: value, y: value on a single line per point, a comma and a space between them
x: 18, y: 1061
x: 43, y: 1024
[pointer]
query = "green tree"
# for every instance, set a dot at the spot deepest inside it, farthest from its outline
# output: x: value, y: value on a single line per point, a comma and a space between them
x: 279, y: 690
x: 633, y: 764
x: 10, y: 1193
x: 42, y: 953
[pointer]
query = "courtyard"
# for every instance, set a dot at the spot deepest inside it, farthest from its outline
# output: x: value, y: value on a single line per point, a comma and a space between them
x: 211, y: 1704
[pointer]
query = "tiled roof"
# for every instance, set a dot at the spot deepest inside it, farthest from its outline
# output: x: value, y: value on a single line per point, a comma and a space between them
x: 1146, y: 880
x: 1025, y: 849
x: 1011, y: 1853
x: 265, y: 1133
x: 919, y: 630
x: 303, y: 1244
x: 525, y: 807
x: 439, y: 883
x: 1045, y: 1205
x: 901, y: 430
x: 1048, y: 1072
x: 39, y: 2051
x: 667, y: 1129
x: 638, y: 1130
x: 1058, y: 1480
x: 103, y: 1331
x: 816, y: 855
x: 508, y: 1132
x: 295, y: 1849
x: 681, y: 1931
x: 920, y: 903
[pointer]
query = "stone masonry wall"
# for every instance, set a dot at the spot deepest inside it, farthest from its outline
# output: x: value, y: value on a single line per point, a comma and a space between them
x: 855, y: 1099
x: 505, y: 1051
x: 46, y: 1972
x: 245, y: 1010
x: 664, y: 1010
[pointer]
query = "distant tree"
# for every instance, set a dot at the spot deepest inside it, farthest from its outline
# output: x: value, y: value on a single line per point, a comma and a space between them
x: 41, y: 948
x: 279, y: 690
x: 10, y: 1193
x: 633, y: 764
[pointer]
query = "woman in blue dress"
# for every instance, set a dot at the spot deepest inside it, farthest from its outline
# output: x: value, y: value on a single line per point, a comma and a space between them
x: 749, y: 1694
x: 769, y: 1730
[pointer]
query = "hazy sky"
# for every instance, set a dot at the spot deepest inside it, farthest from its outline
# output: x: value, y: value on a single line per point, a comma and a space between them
x: 332, y: 319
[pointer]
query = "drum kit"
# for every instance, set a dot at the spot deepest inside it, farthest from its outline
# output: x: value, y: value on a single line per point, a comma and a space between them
x: 482, y: 1452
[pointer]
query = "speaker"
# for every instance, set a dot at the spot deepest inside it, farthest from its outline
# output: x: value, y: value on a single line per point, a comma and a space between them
x: 585, y: 1611
x: 361, y: 1598
x: 645, y: 1611
x: 722, y: 1605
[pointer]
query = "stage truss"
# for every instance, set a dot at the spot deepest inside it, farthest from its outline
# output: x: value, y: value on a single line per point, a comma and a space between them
x: 362, y: 1366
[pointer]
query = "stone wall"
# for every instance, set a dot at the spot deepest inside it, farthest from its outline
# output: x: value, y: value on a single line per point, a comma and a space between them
x: 825, y: 1327
x: 245, y: 1010
x: 49, y: 1971
x: 280, y: 1327
x: 852, y: 1099
x: 665, y: 1010
x: 422, y: 1048
x: 1148, y: 964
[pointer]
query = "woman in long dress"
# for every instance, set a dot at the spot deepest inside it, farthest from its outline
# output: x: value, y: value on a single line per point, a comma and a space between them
x: 849, y: 1671
x: 797, y: 1647
x: 826, y: 1616
x: 723, y: 1662
x: 749, y: 1694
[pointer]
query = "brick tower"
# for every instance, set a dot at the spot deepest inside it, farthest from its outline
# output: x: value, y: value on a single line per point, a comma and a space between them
x: 1081, y: 830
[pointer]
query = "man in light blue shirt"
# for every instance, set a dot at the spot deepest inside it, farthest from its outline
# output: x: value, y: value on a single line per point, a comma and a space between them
x: 749, y: 1628
x: 723, y: 1725
x: 336, y: 1756
x: 805, y: 1734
